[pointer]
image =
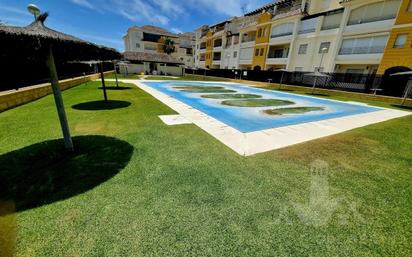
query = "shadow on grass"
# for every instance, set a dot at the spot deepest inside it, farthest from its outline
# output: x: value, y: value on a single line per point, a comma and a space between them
x: 116, y: 88
x: 101, y: 105
x: 317, y: 94
x: 409, y: 108
x: 44, y: 173
x: 285, y: 89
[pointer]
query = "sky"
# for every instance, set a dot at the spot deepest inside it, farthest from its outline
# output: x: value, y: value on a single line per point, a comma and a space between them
x: 105, y: 22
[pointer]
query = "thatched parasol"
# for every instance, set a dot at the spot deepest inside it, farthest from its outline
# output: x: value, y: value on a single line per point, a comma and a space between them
x: 281, y: 76
x: 317, y: 75
x: 408, y: 86
x: 37, y: 41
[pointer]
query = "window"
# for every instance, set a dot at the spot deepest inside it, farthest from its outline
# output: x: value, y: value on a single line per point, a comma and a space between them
x: 262, y: 51
x: 282, y: 30
x: 234, y: 54
x: 332, y: 21
x: 137, y: 45
x: 410, y: 6
x: 303, y: 49
x: 257, y: 52
x: 366, y: 45
x: 380, y: 11
x: 278, y: 52
x: 308, y: 26
x: 324, y: 45
x: 354, y: 71
x: 260, y: 32
x: 246, y: 53
x: 400, y: 41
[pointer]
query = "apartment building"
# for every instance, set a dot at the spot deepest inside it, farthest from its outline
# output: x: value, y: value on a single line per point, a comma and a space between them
x: 152, y: 48
x: 347, y: 36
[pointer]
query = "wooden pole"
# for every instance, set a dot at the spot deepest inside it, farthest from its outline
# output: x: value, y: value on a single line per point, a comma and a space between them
x: 103, y: 83
x: 115, y: 75
x: 59, y: 100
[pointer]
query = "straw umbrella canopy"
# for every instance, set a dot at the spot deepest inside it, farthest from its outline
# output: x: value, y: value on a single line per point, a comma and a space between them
x: 408, y: 86
x: 36, y: 41
x: 281, y: 76
x: 317, y: 75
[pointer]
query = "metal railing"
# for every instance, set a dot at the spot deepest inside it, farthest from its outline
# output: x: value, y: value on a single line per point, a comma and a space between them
x: 352, y: 82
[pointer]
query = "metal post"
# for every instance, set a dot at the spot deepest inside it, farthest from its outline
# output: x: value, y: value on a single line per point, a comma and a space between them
x: 115, y: 75
x: 103, y: 83
x: 59, y: 100
x: 281, y: 80
x: 314, y: 84
x: 408, y: 87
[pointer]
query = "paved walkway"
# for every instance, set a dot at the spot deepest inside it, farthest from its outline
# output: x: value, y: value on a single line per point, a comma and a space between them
x: 266, y: 140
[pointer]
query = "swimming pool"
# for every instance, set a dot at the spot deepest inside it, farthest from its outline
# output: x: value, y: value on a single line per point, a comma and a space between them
x: 250, y: 109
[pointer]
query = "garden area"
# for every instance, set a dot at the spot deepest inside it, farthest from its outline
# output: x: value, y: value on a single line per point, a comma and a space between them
x: 137, y: 187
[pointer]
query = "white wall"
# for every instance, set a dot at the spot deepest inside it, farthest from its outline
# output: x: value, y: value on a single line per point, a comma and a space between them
x: 131, y: 68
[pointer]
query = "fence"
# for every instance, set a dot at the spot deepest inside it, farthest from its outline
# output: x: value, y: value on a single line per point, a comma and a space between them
x: 353, y: 82
x: 15, y: 75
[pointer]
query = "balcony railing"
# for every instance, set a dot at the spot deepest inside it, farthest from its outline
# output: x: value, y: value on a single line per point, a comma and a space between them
x: 371, y: 19
x: 248, y: 39
x: 278, y: 54
x: 362, y: 50
x: 305, y: 31
x: 282, y: 34
x: 334, y: 26
x: 217, y: 44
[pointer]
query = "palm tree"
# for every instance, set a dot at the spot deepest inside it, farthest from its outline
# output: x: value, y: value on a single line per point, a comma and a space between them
x: 168, y: 46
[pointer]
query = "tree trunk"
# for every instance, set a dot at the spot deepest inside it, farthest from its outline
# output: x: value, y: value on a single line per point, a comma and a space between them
x: 59, y: 100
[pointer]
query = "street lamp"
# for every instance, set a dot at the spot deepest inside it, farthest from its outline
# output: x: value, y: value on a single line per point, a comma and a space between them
x: 34, y: 9
x: 323, y: 50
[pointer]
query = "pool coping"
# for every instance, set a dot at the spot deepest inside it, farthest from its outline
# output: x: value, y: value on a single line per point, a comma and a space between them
x: 252, y: 143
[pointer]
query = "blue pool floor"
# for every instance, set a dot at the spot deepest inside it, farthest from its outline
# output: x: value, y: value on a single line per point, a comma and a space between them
x: 250, y: 119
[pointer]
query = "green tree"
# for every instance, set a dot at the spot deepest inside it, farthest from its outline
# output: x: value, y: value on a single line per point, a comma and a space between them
x: 168, y: 46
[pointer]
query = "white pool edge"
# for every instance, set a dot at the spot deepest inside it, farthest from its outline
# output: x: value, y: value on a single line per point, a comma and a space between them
x: 251, y: 143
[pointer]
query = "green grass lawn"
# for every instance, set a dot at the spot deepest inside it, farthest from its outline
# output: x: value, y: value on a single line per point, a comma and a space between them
x: 136, y: 187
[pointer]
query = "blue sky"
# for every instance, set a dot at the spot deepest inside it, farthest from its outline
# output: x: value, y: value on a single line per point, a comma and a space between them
x: 106, y: 21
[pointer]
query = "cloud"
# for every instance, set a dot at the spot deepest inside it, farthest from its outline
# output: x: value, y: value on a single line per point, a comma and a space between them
x: 162, y: 12
x: 14, y: 10
x: 118, y: 43
x: 15, y: 16
x: 176, y: 30
x: 84, y: 3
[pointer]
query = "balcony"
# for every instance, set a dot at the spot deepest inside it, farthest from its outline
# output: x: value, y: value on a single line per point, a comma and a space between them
x: 246, y: 39
x: 373, y: 27
x: 282, y: 11
x: 360, y: 55
x: 362, y: 50
x: 278, y: 52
